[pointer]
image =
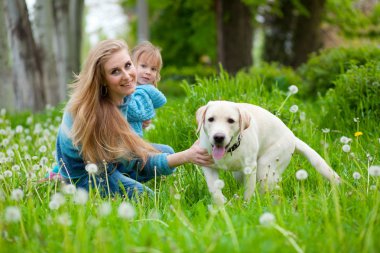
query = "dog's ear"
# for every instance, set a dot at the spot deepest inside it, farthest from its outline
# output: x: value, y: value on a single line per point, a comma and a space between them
x: 200, y: 116
x: 245, y: 119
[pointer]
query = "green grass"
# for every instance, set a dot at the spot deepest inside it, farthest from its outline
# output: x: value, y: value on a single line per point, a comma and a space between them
x: 310, y: 215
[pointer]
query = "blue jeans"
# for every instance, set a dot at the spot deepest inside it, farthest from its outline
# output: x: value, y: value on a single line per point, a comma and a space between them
x: 121, y: 180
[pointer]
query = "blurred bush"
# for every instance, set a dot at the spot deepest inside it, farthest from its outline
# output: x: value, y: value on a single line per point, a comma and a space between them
x: 275, y: 75
x: 174, y: 77
x: 321, y: 70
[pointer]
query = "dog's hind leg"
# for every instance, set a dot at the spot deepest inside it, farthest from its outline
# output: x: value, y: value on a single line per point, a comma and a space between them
x: 270, y: 167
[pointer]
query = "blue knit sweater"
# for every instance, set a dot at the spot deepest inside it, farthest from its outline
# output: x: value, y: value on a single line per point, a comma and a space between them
x: 71, y: 162
x: 141, y: 106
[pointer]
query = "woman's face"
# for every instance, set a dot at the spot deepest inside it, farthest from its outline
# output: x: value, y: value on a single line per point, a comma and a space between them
x: 120, y: 75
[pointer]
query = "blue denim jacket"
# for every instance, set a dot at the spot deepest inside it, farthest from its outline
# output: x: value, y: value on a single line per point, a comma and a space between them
x: 141, y: 106
x: 72, y: 164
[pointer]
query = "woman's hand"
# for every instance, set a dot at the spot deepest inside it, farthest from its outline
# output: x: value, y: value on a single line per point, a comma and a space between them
x: 199, y: 155
x: 195, y: 154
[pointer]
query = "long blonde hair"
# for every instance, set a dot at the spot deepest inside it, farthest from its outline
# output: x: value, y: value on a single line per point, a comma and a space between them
x: 99, y: 128
x: 149, y: 52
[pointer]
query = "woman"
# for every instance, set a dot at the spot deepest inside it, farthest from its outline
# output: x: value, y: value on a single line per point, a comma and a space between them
x: 94, y: 129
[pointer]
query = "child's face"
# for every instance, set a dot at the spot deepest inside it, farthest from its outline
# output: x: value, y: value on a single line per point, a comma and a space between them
x: 147, y: 71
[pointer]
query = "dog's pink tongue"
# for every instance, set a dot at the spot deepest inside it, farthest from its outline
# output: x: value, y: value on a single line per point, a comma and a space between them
x: 218, y: 152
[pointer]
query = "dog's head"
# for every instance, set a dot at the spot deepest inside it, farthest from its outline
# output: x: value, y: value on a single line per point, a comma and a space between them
x: 222, y: 121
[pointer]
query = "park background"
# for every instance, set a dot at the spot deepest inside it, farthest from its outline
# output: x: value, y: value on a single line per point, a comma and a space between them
x: 243, y: 51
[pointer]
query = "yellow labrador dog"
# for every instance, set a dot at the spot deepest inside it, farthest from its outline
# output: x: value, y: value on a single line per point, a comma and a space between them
x: 253, y: 143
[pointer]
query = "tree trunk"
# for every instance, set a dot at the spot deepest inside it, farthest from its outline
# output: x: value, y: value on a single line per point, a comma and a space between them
x: 75, y: 36
x: 62, y: 42
x: 235, y: 34
x: 307, y: 36
x: 27, y: 72
x: 142, y: 23
x: 6, y: 94
x: 292, y: 35
x: 44, y: 34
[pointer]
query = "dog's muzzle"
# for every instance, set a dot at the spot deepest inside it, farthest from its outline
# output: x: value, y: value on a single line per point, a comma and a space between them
x: 219, y: 139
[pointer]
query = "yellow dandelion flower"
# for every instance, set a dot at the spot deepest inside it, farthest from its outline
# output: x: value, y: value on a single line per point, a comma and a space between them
x: 357, y: 134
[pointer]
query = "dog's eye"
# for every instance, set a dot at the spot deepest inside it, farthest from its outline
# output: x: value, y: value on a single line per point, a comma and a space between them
x: 231, y: 121
x: 210, y: 119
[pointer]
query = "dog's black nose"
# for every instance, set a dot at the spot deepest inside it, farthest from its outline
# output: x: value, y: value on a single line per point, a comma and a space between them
x: 218, y: 138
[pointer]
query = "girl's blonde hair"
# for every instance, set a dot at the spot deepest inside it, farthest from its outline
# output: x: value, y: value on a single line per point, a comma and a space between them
x: 146, y: 50
x: 99, y: 128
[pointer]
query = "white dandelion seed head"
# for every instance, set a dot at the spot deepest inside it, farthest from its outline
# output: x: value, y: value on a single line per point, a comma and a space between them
x: 293, y: 109
x: 219, y: 184
x: 301, y: 175
x: 346, y: 148
x: 59, y: 198
x: 8, y: 173
x: 54, y: 205
x: 356, y: 175
x: 69, y: 189
x: 5, y: 142
x: 17, y: 194
x: 29, y: 120
x: 12, y: 214
x: 34, y: 158
x: 373, y: 187
x: 369, y: 157
x: 80, y: 196
x: 302, y: 116
x: 10, y: 153
x: 126, y: 211
x: 247, y: 170
x: 267, y: 219
x: 293, y: 89
x: 36, y: 167
x: 177, y: 196
x: 44, y: 160
x: 345, y: 140
x: 64, y: 219
x: 105, y: 209
x: 16, y: 167
x: 91, y: 168
x: 19, y: 129
x: 374, y: 170
x: 325, y: 130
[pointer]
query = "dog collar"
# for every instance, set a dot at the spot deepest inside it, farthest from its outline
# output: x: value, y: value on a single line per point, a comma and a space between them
x: 235, y: 146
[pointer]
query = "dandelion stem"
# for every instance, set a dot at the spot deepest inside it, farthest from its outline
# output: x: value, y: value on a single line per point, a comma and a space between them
x: 282, y: 105
x: 230, y: 229
x: 289, y: 235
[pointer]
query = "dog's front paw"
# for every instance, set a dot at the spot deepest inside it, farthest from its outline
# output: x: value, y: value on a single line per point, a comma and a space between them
x: 219, y: 199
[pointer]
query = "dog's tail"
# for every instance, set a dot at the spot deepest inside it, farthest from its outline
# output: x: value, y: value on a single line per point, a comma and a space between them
x: 317, y: 161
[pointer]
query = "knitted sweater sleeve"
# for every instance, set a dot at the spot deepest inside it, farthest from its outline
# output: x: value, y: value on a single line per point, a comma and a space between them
x: 140, y: 106
x: 143, y: 101
x: 157, y: 97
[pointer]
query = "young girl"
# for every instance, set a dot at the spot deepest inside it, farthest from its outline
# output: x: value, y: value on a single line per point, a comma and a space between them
x: 141, y: 109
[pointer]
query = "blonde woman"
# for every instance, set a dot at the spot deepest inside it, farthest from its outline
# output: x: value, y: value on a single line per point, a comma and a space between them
x: 95, y: 130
